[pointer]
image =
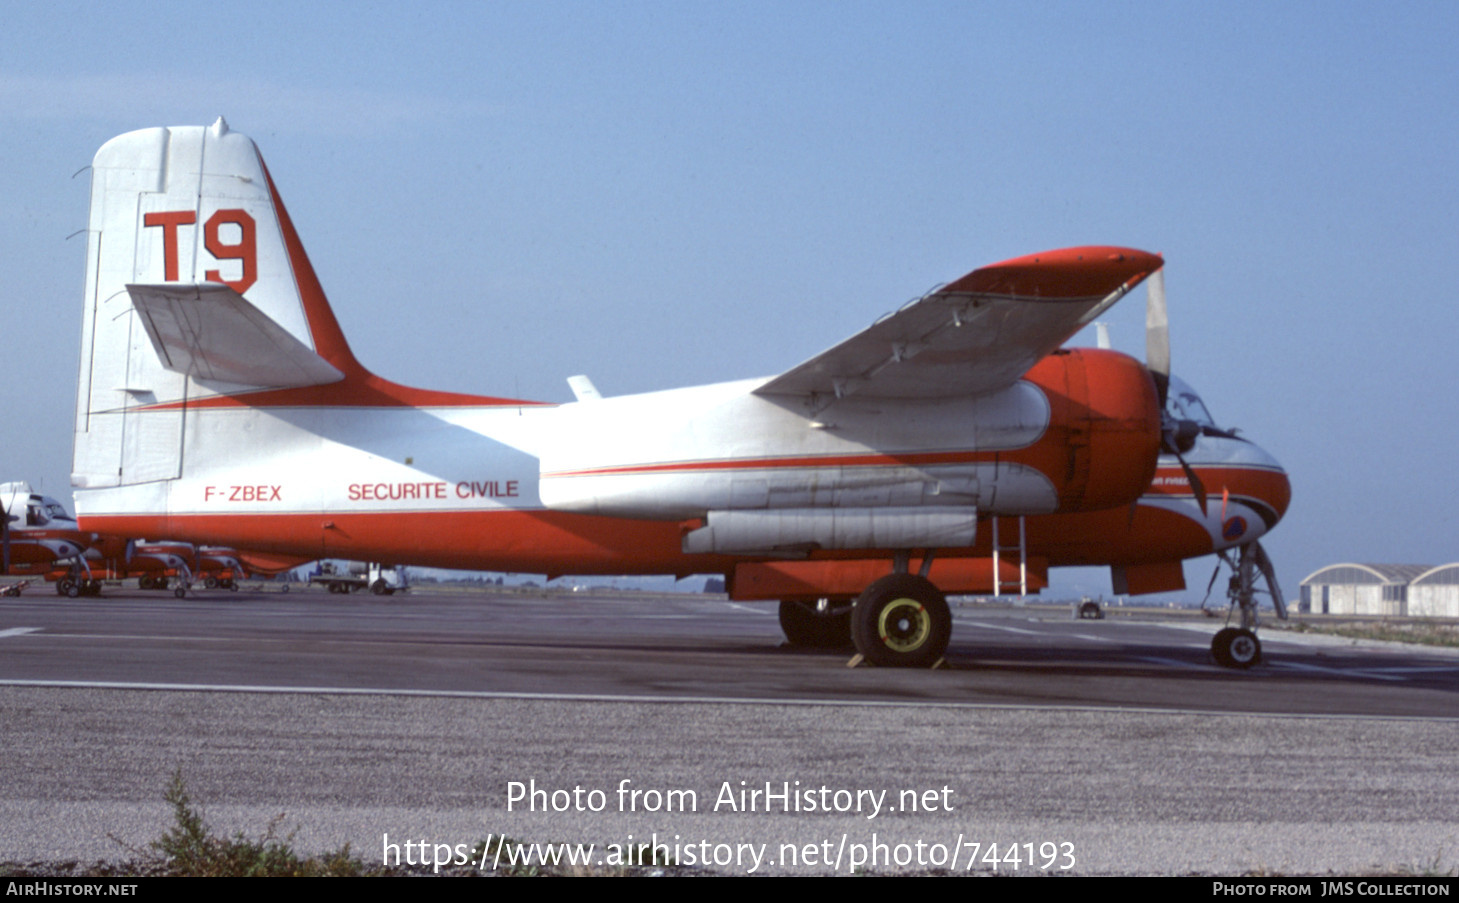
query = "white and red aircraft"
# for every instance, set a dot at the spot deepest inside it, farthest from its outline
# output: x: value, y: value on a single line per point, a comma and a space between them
x: 38, y: 537
x: 952, y: 447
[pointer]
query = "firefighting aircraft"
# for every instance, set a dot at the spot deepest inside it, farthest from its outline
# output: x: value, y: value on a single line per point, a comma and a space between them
x: 47, y: 541
x: 951, y: 447
x: 38, y: 536
x: 175, y: 565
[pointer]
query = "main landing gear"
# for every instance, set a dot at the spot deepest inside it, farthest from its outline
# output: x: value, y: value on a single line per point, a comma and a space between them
x: 899, y: 621
x: 75, y: 587
x: 1238, y: 647
x: 825, y: 624
x: 78, y: 582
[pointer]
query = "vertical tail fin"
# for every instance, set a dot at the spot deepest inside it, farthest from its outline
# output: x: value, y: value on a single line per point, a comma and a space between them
x: 196, y: 285
x: 199, y: 295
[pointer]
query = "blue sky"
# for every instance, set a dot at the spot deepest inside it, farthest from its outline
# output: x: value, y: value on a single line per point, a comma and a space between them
x: 500, y: 195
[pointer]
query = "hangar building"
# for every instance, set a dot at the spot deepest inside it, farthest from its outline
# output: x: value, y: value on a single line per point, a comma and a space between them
x: 1417, y: 590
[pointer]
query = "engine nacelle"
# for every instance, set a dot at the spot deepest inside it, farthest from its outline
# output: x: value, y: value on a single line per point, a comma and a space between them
x: 1103, y: 440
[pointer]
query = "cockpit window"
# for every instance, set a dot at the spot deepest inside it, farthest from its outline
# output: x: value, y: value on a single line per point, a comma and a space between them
x: 1182, y: 403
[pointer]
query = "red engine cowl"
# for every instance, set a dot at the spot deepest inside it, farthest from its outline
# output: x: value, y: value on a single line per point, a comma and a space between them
x: 1103, y: 439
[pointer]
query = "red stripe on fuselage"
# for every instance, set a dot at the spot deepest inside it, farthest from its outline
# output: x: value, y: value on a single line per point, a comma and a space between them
x: 541, y: 541
x: 1267, y: 485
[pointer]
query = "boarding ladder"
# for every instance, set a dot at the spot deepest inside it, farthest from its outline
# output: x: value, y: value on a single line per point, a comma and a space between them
x: 999, y: 550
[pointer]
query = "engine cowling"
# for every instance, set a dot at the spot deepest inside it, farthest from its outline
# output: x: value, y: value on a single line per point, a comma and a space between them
x: 1103, y: 440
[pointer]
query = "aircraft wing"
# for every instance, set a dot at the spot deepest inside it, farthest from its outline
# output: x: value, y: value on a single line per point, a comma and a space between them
x: 974, y: 335
x: 209, y: 331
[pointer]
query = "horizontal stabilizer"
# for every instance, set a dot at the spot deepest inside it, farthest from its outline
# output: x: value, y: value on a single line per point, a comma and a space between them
x: 211, y: 332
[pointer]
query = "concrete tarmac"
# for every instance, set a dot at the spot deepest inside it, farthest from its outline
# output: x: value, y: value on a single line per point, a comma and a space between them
x: 415, y: 725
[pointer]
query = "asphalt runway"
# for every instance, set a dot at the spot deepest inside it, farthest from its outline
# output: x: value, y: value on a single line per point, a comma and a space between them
x: 1097, y: 747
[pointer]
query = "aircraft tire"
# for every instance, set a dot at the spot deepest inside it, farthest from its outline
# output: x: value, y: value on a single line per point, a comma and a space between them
x: 73, y: 589
x: 901, y: 621
x: 808, y: 628
x: 1235, y: 647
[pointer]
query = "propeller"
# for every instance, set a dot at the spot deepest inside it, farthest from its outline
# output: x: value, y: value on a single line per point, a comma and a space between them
x: 10, y: 494
x: 1176, y: 436
x: 1157, y: 334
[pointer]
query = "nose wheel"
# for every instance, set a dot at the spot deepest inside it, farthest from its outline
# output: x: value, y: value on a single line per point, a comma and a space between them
x: 1236, y: 647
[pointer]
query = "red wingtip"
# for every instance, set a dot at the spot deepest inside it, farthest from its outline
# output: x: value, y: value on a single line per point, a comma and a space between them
x: 1065, y: 273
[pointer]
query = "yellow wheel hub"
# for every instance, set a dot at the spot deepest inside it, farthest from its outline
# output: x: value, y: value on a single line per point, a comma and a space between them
x: 904, y: 625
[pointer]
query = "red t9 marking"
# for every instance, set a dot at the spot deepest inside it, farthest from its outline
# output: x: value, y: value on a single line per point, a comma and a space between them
x: 244, y: 250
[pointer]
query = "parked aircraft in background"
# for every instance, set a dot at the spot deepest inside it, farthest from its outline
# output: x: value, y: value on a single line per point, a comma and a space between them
x: 175, y: 565
x: 951, y: 447
x: 38, y: 536
x: 41, y: 539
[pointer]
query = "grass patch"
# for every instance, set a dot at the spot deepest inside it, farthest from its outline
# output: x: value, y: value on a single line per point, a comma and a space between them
x: 190, y: 849
x: 1424, y: 633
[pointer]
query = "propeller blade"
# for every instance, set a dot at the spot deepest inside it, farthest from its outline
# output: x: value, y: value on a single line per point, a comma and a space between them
x: 11, y: 494
x: 1157, y: 334
x: 1214, y: 574
x: 1197, y: 486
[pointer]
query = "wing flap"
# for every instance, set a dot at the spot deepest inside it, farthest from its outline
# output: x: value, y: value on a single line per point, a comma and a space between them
x: 974, y: 335
x: 209, y: 331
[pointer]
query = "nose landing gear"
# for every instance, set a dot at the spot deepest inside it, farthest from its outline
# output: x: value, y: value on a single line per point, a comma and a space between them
x: 1238, y: 647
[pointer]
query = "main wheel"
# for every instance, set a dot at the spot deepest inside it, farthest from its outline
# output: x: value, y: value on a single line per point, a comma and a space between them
x: 901, y: 621
x: 1236, y: 647
x: 64, y: 587
x: 807, y: 626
